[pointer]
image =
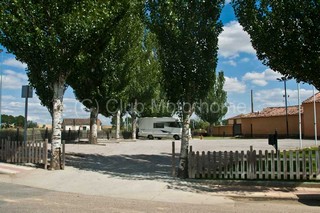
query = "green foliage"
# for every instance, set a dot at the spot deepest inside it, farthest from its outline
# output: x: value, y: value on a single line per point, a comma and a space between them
x: 214, y: 106
x: 159, y: 107
x: 114, y: 122
x: 187, y: 32
x: 52, y: 36
x: 199, y: 124
x: 285, y: 35
x: 103, y: 75
x: 145, y: 73
x: 16, y: 121
x: 32, y: 124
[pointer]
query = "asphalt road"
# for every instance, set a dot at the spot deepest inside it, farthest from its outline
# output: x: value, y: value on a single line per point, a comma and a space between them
x: 16, y: 198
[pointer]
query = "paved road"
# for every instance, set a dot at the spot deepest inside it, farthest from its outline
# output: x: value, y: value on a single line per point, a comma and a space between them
x: 16, y: 198
x: 135, y: 177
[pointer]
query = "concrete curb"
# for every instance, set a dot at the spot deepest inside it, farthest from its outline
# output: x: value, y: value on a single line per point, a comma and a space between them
x: 266, y: 183
x: 6, y: 168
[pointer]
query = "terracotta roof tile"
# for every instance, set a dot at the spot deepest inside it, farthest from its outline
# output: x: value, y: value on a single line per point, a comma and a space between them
x: 310, y: 99
x: 271, y: 112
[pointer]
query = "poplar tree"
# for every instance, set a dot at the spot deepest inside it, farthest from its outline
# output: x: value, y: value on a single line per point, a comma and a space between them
x: 187, y: 32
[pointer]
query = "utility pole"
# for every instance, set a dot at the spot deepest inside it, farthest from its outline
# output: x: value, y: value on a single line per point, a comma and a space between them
x: 252, y: 101
x: 299, y: 107
x: 27, y: 92
x: 284, y: 79
x: 1, y: 50
x: 315, y: 118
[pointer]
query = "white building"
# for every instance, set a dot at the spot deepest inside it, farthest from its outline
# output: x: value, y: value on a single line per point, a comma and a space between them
x: 78, y: 124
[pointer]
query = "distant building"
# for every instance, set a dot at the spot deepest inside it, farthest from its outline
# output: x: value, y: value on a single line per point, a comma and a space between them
x: 265, y: 122
x: 44, y: 126
x: 78, y: 124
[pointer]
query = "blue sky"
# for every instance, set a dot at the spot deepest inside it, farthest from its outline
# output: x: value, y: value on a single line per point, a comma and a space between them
x: 243, y: 73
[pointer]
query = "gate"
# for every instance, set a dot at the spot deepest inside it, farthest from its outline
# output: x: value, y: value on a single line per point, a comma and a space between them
x: 237, y: 129
x: 20, y: 152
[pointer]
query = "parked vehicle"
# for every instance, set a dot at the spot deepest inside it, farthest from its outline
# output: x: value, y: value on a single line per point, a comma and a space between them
x: 160, y: 127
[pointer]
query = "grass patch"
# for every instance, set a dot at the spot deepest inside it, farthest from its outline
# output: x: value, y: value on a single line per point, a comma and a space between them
x: 212, y: 138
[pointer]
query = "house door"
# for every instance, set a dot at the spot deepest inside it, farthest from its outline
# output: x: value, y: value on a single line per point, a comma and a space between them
x: 237, y: 129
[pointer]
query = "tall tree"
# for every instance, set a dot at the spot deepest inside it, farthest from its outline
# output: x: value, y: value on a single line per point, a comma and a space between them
x: 144, y: 83
x: 187, y: 32
x: 50, y: 36
x: 214, y: 106
x: 101, y: 78
x: 285, y: 35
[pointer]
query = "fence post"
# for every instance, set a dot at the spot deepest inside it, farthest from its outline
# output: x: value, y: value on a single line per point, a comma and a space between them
x: 46, y: 133
x: 17, y: 134
x: 251, y: 163
x: 33, y: 135
x: 7, y: 149
x: 79, y: 135
x: 45, y: 153
x: 2, y: 149
x: 173, y: 159
x: 63, y: 154
x: 318, y: 163
x: 69, y: 135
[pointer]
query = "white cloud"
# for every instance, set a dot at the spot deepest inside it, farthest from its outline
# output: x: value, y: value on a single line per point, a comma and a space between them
x: 13, y: 80
x: 266, y: 98
x: 231, y: 63
x: 15, y: 63
x: 234, y: 40
x: 275, y: 97
x: 259, y: 82
x: 261, y: 78
x: 228, y: 1
x: 36, y: 112
x: 8, y: 97
x: 245, y: 60
x: 233, y: 85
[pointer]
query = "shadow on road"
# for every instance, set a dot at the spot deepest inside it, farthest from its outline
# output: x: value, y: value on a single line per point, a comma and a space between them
x: 144, y: 167
x: 158, y: 167
x: 309, y: 199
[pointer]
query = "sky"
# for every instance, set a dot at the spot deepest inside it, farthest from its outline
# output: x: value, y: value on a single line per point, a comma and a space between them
x: 237, y: 59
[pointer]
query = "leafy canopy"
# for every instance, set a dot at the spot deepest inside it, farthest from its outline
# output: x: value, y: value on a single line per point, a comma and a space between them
x: 51, y: 36
x: 100, y: 79
x: 285, y: 35
x: 214, y: 106
x: 187, y: 32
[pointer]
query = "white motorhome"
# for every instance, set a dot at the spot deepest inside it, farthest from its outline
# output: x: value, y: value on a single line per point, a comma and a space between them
x: 159, y: 127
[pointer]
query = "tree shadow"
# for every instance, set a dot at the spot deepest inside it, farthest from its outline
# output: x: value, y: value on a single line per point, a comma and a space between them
x: 137, y: 167
x: 159, y: 167
x: 309, y: 199
x: 229, y: 186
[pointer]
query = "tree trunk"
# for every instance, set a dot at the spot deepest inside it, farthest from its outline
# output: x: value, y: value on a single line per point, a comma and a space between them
x: 93, y: 139
x: 118, y: 125
x: 58, y: 91
x: 210, y: 130
x: 183, y: 163
x: 134, y: 120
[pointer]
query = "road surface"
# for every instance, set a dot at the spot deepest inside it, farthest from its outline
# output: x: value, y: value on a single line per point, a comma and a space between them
x: 17, y: 198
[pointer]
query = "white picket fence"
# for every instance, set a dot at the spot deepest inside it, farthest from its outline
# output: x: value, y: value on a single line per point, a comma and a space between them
x: 12, y: 151
x: 267, y: 165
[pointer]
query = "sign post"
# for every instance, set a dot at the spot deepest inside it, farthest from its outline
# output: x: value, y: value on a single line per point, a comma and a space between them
x: 27, y: 92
